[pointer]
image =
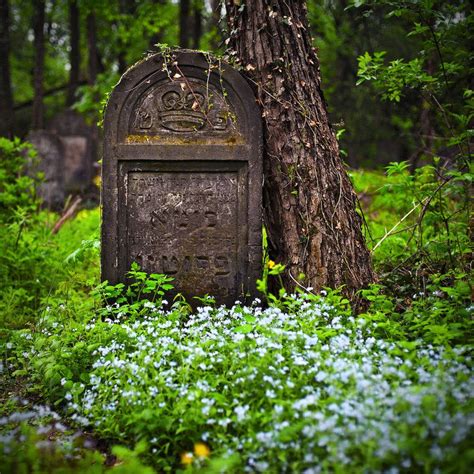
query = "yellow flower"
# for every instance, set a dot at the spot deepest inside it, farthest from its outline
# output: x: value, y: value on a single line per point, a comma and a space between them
x: 201, y: 450
x: 97, y: 180
x: 186, y: 458
x: 271, y: 264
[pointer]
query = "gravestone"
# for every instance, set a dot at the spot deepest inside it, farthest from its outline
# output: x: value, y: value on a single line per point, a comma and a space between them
x: 51, y: 165
x: 76, y: 137
x: 182, y: 177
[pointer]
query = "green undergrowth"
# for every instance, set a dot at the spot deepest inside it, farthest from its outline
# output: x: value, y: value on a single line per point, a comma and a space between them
x: 34, y: 439
x: 295, y: 383
x: 300, y: 386
x: 33, y: 266
x: 417, y: 225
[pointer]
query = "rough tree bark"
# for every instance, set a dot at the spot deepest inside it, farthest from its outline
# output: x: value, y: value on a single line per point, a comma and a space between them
x: 75, y: 52
x: 309, y: 203
x: 184, y: 33
x: 6, y: 97
x: 38, y: 73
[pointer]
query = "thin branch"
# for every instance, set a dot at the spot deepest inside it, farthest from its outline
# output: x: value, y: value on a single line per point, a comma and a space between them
x: 300, y: 285
x: 29, y: 103
x: 68, y: 214
x: 390, y: 232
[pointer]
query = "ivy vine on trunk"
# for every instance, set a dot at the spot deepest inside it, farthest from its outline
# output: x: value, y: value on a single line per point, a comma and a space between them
x: 309, y: 203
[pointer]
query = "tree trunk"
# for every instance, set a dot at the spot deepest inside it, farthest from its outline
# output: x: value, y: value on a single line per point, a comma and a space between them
x: 6, y: 97
x: 214, y: 27
x: 127, y: 8
x: 425, y: 128
x: 39, y: 47
x: 309, y: 203
x: 75, y: 52
x: 157, y: 37
x: 93, y: 59
x: 184, y: 11
x: 92, y: 70
x: 197, y: 23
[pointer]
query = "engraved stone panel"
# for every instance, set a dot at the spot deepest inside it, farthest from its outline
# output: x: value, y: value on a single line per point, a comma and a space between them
x: 185, y: 224
x: 182, y: 178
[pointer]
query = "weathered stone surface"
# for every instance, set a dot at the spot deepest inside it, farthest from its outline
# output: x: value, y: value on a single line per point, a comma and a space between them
x: 76, y: 137
x: 50, y: 163
x: 182, y: 177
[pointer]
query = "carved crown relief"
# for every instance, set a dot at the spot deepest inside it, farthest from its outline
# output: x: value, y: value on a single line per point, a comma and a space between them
x: 190, y: 106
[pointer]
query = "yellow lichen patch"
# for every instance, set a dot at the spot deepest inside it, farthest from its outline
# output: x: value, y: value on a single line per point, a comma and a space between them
x: 164, y: 140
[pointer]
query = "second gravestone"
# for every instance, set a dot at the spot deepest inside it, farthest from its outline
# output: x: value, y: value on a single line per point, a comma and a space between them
x: 182, y: 177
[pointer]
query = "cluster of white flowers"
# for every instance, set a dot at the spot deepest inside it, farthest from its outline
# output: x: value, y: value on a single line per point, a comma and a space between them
x: 312, y: 383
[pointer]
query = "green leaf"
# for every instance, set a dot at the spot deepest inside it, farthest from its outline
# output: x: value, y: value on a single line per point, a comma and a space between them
x: 244, y: 329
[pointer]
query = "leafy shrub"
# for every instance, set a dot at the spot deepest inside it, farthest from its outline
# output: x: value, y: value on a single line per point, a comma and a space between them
x: 33, y: 268
x: 17, y: 189
x: 143, y: 292
x: 416, y: 218
x: 420, y: 217
x: 418, y: 228
x: 32, y: 263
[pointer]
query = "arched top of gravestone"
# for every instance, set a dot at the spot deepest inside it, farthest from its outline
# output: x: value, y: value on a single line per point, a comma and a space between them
x: 182, y: 98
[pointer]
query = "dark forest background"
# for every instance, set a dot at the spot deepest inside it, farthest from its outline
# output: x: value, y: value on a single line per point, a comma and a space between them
x: 416, y: 55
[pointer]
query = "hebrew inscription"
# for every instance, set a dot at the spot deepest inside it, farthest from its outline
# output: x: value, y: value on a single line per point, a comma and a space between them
x: 182, y: 106
x: 185, y: 224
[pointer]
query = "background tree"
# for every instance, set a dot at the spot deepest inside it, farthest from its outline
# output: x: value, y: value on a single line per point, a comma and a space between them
x: 309, y: 204
x: 342, y: 34
x: 371, y: 132
x: 6, y: 98
x: 39, y: 48
x: 156, y: 37
x: 75, y: 51
x: 184, y: 23
x: 214, y: 25
x: 198, y: 6
x: 126, y: 7
x: 93, y: 57
x: 433, y: 80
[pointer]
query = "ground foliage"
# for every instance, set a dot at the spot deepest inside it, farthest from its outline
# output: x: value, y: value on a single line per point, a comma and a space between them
x: 299, y: 383
x: 32, y: 259
x: 300, y: 387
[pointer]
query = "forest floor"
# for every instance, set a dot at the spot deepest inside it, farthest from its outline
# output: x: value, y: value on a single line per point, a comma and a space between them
x: 21, y: 402
x: 298, y: 383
